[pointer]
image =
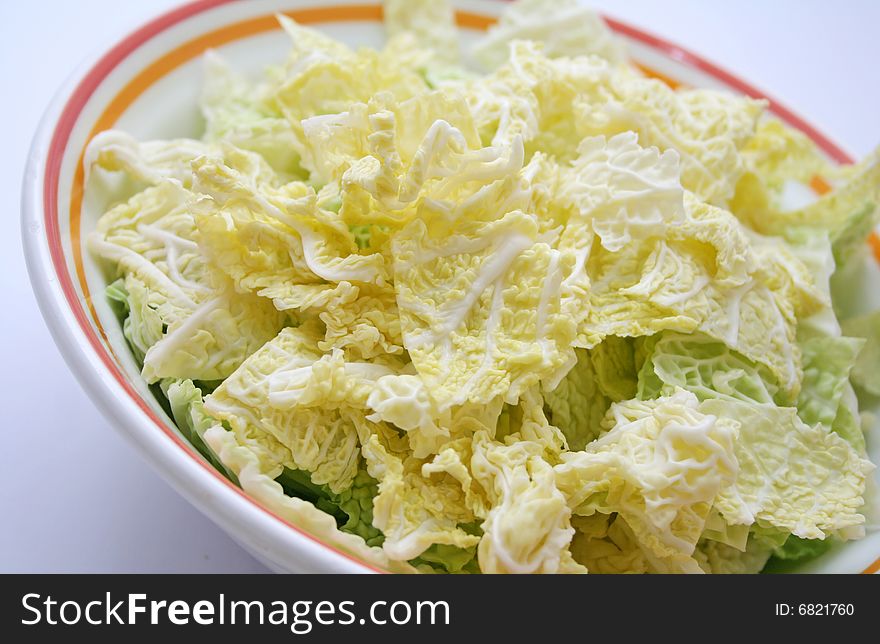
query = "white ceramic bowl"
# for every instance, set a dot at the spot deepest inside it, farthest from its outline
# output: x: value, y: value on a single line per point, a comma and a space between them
x: 148, y: 84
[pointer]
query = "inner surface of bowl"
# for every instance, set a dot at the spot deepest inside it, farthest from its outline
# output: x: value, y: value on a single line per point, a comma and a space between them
x: 149, y: 86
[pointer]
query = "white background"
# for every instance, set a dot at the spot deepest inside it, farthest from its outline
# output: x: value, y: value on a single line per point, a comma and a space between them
x: 73, y: 495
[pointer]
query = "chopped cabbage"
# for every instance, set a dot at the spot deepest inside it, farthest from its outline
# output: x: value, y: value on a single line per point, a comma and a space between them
x: 548, y: 315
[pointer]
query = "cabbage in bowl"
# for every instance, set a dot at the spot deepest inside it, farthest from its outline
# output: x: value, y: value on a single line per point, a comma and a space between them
x: 536, y: 313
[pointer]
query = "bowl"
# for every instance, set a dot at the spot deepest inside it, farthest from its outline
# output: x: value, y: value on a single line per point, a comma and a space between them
x: 148, y: 84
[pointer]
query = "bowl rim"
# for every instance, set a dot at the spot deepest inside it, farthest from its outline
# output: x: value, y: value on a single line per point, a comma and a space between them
x: 228, y: 505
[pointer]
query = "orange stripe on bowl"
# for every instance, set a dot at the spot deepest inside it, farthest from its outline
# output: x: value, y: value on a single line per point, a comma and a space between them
x: 653, y: 73
x: 874, y: 567
x: 874, y: 241
x: 470, y: 20
x: 819, y: 185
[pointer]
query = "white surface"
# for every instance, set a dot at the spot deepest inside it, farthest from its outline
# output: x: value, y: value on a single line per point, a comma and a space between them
x: 73, y: 496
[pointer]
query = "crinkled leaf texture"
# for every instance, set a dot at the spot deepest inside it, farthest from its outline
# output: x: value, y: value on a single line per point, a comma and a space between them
x: 660, y: 467
x: 557, y: 317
